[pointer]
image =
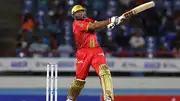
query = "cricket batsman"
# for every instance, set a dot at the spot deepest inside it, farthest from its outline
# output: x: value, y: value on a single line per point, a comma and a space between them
x: 89, y: 53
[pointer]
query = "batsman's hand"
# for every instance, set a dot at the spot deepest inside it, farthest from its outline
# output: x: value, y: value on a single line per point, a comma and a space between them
x: 111, y: 26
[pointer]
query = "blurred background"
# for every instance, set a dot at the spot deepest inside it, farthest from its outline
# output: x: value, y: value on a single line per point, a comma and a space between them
x: 43, y: 28
x: 142, y: 54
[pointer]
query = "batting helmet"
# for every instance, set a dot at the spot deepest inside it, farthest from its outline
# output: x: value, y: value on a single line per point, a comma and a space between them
x: 77, y: 8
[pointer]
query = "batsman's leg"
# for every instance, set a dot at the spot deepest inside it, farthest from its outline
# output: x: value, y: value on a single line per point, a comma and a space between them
x: 106, y: 82
x: 82, y: 69
x: 99, y: 65
x: 77, y: 86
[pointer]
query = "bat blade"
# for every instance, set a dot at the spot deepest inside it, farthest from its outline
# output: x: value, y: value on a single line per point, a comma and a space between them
x: 139, y: 9
x: 143, y: 7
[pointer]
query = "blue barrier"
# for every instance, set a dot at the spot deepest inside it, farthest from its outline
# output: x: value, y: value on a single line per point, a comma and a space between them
x: 42, y: 98
x: 94, y: 91
x: 86, y: 95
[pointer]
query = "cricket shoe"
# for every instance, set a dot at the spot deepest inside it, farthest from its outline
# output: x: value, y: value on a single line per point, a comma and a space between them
x: 108, y: 99
x: 69, y: 100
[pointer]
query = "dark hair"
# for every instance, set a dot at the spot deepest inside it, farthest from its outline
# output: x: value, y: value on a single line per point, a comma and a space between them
x: 28, y: 16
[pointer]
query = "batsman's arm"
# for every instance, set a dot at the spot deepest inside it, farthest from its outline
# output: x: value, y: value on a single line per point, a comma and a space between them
x: 106, y: 23
x: 98, y: 25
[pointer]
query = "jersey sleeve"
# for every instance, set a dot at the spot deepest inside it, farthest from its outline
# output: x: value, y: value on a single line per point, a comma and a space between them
x: 91, y: 20
x: 82, y: 25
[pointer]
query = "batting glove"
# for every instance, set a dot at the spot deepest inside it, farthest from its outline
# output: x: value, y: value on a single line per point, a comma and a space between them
x: 115, y: 21
x: 111, y: 26
x: 121, y: 19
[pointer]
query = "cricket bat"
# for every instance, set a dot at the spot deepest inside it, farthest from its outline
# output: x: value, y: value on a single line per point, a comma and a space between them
x: 139, y: 9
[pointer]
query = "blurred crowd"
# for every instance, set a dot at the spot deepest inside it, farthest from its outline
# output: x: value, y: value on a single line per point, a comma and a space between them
x: 46, y: 28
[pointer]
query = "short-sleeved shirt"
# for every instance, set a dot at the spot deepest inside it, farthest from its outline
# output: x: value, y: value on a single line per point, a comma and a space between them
x: 83, y: 37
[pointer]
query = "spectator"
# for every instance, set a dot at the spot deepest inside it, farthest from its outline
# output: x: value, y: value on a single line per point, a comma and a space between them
x: 21, y: 42
x: 26, y: 36
x: 50, y: 35
x: 158, y: 21
x: 53, y: 46
x: 38, y: 48
x: 21, y: 45
x: 52, y: 32
x: 53, y: 24
x: 27, y: 27
x: 52, y: 42
x: 137, y: 42
x: 28, y: 22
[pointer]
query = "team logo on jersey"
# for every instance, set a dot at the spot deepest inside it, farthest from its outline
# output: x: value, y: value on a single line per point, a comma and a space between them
x: 101, y: 54
x: 79, y: 61
x: 81, y: 24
